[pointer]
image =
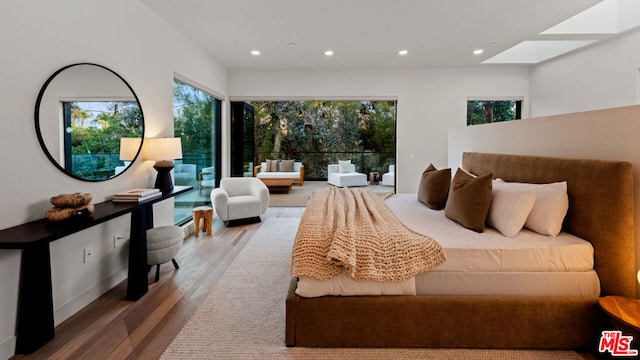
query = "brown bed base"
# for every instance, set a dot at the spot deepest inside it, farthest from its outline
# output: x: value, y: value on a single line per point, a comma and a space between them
x: 601, y: 211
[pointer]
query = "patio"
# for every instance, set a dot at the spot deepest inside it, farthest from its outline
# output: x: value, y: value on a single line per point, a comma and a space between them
x: 297, y: 196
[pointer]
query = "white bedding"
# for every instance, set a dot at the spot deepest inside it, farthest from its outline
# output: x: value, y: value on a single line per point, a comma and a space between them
x: 468, y: 250
x: 485, y: 263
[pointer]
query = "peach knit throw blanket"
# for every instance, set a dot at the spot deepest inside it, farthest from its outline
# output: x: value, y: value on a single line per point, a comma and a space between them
x: 353, y: 232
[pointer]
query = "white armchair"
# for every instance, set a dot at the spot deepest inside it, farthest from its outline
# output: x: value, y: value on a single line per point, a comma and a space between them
x: 389, y: 179
x: 345, y: 178
x: 240, y: 200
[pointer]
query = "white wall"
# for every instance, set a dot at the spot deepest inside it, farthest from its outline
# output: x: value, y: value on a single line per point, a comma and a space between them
x: 430, y: 100
x: 610, y: 134
x: 600, y: 76
x: 38, y: 38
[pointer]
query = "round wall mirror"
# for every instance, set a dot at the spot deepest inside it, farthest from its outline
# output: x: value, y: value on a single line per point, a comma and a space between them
x: 89, y: 122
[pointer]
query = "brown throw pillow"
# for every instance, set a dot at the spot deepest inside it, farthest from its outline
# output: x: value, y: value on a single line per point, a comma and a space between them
x: 272, y: 165
x: 469, y: 200
x: 434, y: 187
x: 287, y: 165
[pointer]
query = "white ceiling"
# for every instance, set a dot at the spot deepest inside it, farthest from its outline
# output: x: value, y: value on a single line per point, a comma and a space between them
x: 365, y: 33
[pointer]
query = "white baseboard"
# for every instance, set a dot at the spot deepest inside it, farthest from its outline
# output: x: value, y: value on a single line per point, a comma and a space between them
x: 8, y: 348
x: 188, y: 229
x: 75, y: 305
x: 67, y: 310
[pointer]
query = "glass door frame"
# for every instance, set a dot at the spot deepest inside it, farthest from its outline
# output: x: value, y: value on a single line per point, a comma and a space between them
x: 199, y: 197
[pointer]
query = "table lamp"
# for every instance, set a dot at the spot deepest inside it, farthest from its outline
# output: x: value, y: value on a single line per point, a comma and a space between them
x: 129, y: 149
x: 163, y: 151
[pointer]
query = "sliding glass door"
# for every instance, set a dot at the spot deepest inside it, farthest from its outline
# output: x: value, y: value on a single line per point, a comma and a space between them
x: 197, y: 121
x: 242, y: 139
x: 322, y: 132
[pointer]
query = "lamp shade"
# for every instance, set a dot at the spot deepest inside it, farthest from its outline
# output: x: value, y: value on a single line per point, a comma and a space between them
x: 129, y: 148
x: 160, y: 149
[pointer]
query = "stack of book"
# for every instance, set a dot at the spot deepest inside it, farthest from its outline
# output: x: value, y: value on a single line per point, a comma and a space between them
x: 136, y: 195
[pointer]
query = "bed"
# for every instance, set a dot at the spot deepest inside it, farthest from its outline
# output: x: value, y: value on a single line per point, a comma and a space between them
x: 600, y: 212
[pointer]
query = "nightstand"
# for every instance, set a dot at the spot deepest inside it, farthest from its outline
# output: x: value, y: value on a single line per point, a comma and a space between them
x: 624, y: 315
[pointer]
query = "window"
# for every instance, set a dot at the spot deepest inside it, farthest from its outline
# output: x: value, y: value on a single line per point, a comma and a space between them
x: 197, y: 120
x: 92, y: 135
x: 490, y: 111
x: 320, y: 133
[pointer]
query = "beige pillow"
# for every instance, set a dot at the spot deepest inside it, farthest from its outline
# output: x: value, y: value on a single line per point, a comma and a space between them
x: 434, y: 187
x: 286, y: 165
x: 469, y: 200
x: 511, y: 204
x: 344, y: 166
x: 550, y: 209
x: 272, y: 165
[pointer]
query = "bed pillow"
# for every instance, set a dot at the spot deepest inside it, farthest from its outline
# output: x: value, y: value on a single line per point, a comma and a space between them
x: 550, y: 208
x: 510, y: 207
x: 434, y: 187
x: 287, y: 165
x: 344, y: 166
x: 469, y: 200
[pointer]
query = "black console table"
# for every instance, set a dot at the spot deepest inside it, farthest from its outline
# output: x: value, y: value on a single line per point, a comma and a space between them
x: 35, y: 326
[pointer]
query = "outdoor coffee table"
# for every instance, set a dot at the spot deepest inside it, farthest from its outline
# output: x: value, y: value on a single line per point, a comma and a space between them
x: 278, y: 185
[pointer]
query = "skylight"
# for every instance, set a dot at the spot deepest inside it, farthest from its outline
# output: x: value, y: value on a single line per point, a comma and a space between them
x: 531, y: 52
x: 608, y: 17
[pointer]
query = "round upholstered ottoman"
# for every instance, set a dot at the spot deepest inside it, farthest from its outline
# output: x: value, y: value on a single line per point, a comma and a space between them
x: 163, y: 244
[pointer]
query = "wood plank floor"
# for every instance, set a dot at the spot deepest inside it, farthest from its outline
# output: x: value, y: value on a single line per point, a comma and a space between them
x: 113, y: 328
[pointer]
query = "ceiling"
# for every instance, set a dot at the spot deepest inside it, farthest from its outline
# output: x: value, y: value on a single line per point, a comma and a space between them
x: 294, y: 34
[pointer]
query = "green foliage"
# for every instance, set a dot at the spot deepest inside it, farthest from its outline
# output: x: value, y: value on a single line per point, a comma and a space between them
x: 194, y: 112
x: 378, y: 132
x: 193, y: 115
x: 102, y: 135
x: 95, y: 146
x: 78, y: 115
x: 482, y: 112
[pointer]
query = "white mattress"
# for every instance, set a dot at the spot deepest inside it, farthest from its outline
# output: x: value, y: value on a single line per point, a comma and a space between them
x: 485, y: 263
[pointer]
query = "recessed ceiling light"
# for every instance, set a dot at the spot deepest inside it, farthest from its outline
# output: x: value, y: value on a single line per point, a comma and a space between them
x: 478, y: 51
x: 292, y: 44
x: 255, y: 52
x: 328, y: 53
x: 403, y: 52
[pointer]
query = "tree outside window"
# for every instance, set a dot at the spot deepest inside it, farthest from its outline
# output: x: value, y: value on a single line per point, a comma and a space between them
x: 319, y: 133
x: 490, y: 111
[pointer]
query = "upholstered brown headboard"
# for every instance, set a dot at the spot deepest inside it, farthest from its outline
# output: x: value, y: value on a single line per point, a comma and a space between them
x: 600, y: 206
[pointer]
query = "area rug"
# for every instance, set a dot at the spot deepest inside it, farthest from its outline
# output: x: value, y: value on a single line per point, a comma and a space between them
x: 297, y: 195
x: 244, y: 315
